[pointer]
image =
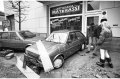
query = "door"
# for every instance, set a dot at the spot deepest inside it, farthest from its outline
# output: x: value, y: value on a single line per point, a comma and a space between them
x: 92, y: 19
x: 72, y: 44
x: 5, y: 39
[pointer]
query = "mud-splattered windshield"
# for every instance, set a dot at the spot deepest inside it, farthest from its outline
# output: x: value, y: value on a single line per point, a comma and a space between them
x: 57, y: 37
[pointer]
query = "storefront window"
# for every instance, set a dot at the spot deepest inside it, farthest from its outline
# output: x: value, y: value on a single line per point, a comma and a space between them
x: 93, y: 5
x: 74, y: 23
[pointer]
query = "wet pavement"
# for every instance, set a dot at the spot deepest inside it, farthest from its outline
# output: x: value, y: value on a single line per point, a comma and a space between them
x: 79, y: 65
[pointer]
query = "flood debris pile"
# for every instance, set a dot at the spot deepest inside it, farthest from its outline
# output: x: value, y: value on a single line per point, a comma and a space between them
x: 8, y: 54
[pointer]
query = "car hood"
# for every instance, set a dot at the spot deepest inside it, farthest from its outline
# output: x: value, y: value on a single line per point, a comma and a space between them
x: 50, y: 47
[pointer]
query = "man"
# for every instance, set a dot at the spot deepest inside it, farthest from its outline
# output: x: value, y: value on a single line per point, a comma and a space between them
x: 104, y: 43
x: 90, y: 33
x: 97, y: 32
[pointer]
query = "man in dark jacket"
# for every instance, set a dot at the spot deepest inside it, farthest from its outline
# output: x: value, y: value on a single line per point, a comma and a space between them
x: 97, y: 32
x: 90, y: 33
x: 104, y: 44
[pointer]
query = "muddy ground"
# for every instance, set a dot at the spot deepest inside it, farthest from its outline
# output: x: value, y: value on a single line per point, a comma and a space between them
x: 79, y: 65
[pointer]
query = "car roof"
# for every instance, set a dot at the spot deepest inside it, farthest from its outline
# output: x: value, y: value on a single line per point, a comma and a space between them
x: 64, y: 31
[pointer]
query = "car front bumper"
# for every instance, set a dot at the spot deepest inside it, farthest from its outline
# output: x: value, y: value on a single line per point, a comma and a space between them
x: 32, y: 60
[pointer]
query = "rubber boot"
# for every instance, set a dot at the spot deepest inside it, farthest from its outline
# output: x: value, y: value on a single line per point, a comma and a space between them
x: 101, y: 63
x: 109, y: 62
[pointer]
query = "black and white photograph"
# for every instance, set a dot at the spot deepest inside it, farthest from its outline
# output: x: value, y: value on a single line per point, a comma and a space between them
x: 59, y: 39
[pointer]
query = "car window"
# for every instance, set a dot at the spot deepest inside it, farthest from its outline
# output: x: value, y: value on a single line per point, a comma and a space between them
x: 72, y: 36
x: 14, y: 36
x: 5, y: 35
x: 79, y: 35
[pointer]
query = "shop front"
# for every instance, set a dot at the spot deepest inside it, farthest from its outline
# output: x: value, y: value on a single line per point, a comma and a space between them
x: 68, y: 16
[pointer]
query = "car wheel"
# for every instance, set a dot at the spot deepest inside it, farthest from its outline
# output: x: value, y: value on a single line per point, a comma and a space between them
x: 58, y: 62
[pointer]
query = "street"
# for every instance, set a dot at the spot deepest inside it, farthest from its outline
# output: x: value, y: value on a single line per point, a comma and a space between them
x: 79, y: 65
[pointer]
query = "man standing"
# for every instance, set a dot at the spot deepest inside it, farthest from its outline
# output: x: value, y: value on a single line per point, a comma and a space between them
x: 90, y: 33
x: 97, y: 32
x: 104, y: 44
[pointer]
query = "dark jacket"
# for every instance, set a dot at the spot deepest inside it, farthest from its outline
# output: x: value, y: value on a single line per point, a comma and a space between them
x: 105, y: 39
x: 97, y: 31
x: 90, y: 31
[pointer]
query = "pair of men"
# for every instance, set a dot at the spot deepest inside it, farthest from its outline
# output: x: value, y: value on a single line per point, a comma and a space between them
x: 93, y: 33
x: 104, y: 35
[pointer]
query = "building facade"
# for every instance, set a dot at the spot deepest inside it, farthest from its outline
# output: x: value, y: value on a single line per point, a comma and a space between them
x: 2, y: 18
x: 47, y: 16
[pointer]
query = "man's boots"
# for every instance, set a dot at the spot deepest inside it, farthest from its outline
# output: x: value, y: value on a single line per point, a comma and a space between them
x: 101, y: 63
x: 109, y: 62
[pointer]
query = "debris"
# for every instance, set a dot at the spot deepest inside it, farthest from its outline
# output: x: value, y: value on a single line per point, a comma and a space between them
x: 98, y: 76
x: 82, y: 54
x: 75, y: 76
x: 117, y: 75
x: 9, y: 56
x: 68, y: 69
x: 5, y: 52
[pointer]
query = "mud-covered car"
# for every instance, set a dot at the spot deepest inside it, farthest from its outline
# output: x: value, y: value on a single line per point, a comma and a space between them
x: 17, y: 39
x: 59, y: 45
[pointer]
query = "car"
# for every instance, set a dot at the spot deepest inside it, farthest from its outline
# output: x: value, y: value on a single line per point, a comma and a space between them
x: 17, y: 39
x: 60, y: 45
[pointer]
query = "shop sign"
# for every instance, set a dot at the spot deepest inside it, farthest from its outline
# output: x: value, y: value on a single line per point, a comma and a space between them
x: 74, y: 8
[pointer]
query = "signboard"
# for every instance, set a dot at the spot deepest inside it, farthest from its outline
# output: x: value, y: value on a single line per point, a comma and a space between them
x: 73, y: 8
x: 6, y: 23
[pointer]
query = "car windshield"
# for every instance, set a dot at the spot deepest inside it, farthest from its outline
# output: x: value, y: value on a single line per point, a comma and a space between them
x: 57, y: 37
x: 27, y: 34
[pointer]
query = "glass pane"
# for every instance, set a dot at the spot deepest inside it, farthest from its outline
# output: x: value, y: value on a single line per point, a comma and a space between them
x: 14, y: 36
x: 92, y: 19
x: 79, y: 35
x: 74, y: 23
x: 93, y: 5
x: 5, y: 36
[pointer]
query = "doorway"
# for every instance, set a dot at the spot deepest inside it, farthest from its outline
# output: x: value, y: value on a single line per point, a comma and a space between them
x: 91, y: 19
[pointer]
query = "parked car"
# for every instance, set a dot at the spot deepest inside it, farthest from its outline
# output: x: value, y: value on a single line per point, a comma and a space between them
x: 17, y: 39
x: 60, y: 45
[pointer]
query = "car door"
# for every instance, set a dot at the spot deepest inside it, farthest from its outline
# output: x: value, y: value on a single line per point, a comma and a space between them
x: 5, y: 39
x: 16, y: 42
x: 80, y: 38
x: 72, y: 43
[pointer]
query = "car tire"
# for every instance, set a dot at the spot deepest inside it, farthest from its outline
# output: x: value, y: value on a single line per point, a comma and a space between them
x: 58, y: 62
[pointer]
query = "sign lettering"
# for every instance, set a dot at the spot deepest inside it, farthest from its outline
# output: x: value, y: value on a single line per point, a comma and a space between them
x: 74, y: 8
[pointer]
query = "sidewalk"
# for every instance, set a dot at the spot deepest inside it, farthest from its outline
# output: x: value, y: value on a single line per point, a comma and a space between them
x: 83, y: 65
x: 79, y: 65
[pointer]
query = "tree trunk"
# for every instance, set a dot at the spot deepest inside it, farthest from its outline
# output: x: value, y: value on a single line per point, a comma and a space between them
x: 19, y: 16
